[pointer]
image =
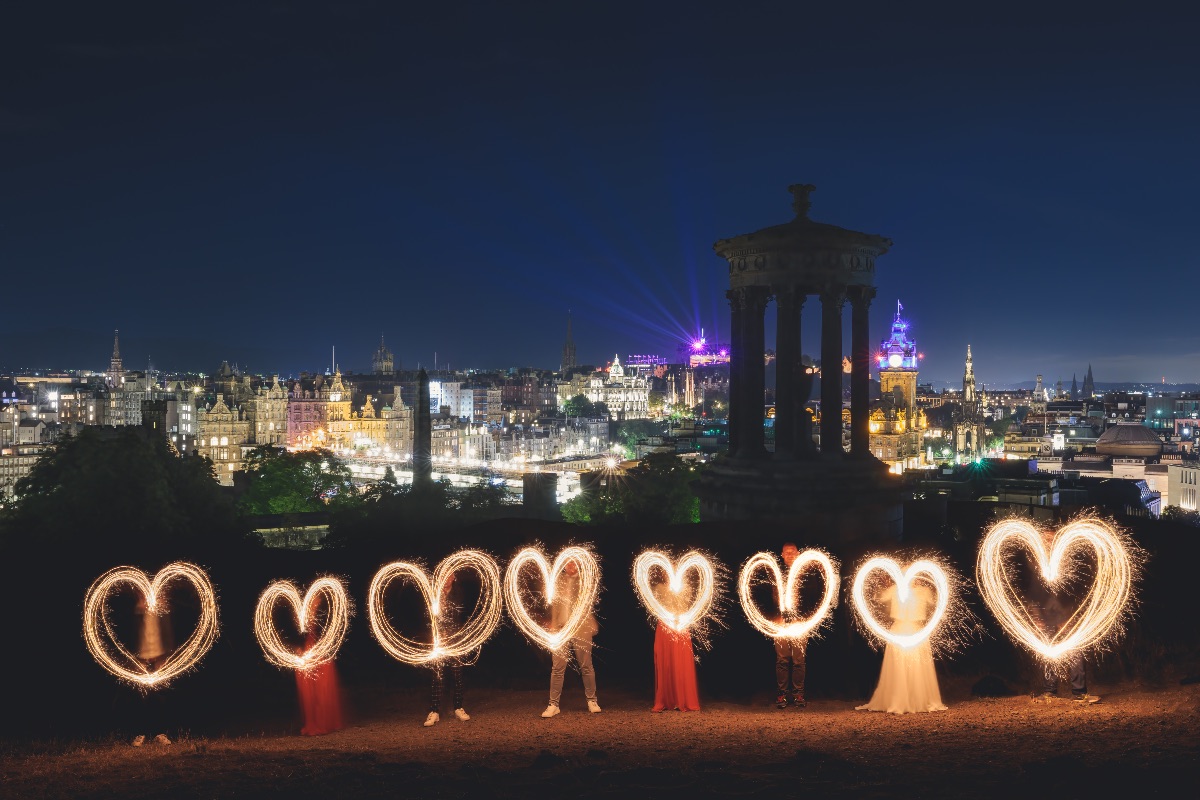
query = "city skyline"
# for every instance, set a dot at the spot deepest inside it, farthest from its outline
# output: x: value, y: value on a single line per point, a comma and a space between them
x: 259, y: 186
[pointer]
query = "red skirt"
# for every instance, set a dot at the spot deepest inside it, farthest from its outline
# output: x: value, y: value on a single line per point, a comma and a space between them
x: 674, y: 671
x: 320, y: 700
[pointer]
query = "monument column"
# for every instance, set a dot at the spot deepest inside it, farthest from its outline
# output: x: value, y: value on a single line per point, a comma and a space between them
x: 737, y: 361
x: 860, y: 372
x: 788, y: 302
x: 752, y: 373
x: 832, y: 300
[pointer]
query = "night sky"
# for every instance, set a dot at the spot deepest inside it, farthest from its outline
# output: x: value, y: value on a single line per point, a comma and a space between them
x: 261, y: 184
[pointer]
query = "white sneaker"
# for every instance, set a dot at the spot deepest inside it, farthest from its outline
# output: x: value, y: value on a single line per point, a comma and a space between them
x: 593, y: 707
x: 161, y: 739
x: 462, y: 714
x: 433, y: 719
x: 551, y: 711
x: 138, y: 740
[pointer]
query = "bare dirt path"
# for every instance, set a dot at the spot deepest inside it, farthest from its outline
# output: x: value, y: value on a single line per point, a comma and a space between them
x: 1137, y: 741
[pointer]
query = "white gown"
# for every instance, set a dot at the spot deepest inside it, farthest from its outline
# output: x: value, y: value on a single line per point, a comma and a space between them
x: 907, y: 682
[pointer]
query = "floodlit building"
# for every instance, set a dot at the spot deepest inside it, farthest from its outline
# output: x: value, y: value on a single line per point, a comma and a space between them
x: 627, y: 396
x: 897, y: 424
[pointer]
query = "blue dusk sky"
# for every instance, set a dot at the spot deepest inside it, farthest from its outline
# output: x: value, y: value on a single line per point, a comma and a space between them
x: 262, y: 182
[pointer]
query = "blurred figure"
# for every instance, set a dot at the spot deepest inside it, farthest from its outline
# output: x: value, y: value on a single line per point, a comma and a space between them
x: 1050, y: 615
x: 674, y: 661
x: 155, y: 645
x: 318, y: 689
x: 907, y: 681
x: 565, y: 592
x: 790, y: 664
x: 451, y: 608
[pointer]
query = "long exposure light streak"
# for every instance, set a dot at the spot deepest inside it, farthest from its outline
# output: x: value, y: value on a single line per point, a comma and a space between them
x: 1057, y: 559
x: 104, y: 645
x: 791, y: 625
x: 933, y: 573
x: 304, y: 611
x: 704, y: 591
x: 476, y: 628
x: 515, y: 593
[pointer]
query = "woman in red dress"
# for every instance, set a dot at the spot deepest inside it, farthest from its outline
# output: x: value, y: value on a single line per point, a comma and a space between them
x: 674, y: 665
x: 320, y: 696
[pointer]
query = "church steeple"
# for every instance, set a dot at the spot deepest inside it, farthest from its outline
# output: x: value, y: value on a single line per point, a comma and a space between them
x: 968, y: 395
x: 1074, y: 387
x: 1089, y: 385
x: 116, y: 370
x: 568, y: 350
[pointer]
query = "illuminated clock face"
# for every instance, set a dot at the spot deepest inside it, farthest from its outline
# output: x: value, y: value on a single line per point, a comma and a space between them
x: 895, y: 359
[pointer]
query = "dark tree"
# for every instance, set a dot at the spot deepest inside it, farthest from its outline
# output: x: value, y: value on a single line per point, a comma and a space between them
x: 110, y: 486
x: 283, y: 482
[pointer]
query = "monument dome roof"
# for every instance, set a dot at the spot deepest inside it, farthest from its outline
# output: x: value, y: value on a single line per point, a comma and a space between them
x: 803, y: 234
x: 1129, y: 440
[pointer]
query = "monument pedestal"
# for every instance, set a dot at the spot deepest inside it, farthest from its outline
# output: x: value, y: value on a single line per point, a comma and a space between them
x: 833, y: 503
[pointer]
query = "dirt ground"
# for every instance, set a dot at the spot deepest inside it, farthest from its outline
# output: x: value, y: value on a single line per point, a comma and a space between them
x: 1135, y: 740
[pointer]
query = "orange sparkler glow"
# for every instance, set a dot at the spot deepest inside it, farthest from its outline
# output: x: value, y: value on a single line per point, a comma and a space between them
x: 476, y: 628
x: 106, y: 648
x: 791, y: 625
x: 589, y: 588
x: 927, y: 570
x: 337, y: 622
x: 1057, y: 557
x: 702, y: 594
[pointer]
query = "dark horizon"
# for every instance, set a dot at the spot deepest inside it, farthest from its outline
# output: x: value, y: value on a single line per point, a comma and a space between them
x: 262, y: 184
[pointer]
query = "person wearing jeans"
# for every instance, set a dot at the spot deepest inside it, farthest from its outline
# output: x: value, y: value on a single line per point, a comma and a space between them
x: 790, y: 665
x: 580, y: 644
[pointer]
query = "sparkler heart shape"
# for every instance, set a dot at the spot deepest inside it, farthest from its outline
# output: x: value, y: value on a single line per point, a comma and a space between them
x: 98, y: 633
x: 326, y: 646
x: 470, y: 636
x: 581, y: 609
x: 1101, y: 608
x: 904, y: 585
x: 787, y: 594
x: 692, y: 560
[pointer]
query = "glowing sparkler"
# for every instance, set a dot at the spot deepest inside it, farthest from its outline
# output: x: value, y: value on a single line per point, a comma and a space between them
x: 589, y: 588
x: 1100, y: 613
x: 101, y: 639
x: 933, y: 574
x: 476, y: 628
x: 337, y: 622
x: 791, y: 626
x: 704, y: 593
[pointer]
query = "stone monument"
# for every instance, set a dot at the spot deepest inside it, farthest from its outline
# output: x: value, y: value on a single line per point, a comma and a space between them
x: 422, y: 449
x: 831, y: 495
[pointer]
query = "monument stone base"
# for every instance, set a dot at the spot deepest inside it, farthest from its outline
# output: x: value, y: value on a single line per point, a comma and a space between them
x: 834, y: 502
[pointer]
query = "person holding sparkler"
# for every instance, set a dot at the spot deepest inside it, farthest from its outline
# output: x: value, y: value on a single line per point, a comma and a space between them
x: 451, y: 606
x: 790, y: 664
x: 1050, y: 615
x: 565, y: 594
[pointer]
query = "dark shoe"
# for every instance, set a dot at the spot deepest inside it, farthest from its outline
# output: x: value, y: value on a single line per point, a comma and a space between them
x: 799, y: 702
x: 782, y: 701
x: 1083, y: 698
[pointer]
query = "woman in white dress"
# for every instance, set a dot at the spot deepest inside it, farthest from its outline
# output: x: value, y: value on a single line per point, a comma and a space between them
x: 907, y: 682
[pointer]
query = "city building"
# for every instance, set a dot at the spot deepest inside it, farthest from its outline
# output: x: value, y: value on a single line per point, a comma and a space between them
x: 969, y: 432
x: 627, y: 397
x: 223, y: 437
x: 897, y: 425
x: 382, y: 363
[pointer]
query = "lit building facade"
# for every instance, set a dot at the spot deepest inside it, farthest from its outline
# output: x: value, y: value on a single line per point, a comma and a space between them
x: 221, y: 434
x: 627, y: 397
x: 897, y: 424
x: 267, y: 412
